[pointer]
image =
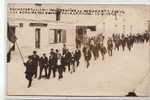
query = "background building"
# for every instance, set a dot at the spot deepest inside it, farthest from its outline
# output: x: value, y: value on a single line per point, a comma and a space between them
x: 38, y: 25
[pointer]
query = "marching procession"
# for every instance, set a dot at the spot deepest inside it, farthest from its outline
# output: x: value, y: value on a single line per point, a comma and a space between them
x: 61, y: 61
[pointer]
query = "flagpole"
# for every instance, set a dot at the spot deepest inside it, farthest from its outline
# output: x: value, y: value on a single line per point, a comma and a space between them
x: 20, y: 52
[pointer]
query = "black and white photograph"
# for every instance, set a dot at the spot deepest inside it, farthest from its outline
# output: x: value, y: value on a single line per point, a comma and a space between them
x: 78, y: 49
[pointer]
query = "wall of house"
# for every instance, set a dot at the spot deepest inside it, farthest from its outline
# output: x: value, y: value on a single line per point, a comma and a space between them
x: 133, y: 20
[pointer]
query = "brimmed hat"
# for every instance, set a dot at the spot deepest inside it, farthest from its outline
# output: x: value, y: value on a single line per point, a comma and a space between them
x: 57, y: 50
x: 34, y: 52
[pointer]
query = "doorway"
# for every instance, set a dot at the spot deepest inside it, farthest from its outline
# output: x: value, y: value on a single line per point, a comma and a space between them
x: 81, y: 32
x: 37, y: 37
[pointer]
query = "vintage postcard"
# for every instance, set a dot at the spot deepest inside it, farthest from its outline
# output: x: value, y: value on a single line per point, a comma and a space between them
x: 78, y: 49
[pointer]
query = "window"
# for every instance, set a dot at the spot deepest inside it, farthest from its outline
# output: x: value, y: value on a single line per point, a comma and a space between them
x: 57, y: 36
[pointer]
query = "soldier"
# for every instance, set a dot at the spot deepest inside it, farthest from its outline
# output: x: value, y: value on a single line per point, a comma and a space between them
x: 88, y: 56
x: 43, y: 65
x: 35, y: 60
x: 77, y: 56
x: 29, y: 70
x: 109, y: 46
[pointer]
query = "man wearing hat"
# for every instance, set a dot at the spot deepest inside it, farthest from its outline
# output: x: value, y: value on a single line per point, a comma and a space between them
x: 35, y: 60
x: 29, y: 70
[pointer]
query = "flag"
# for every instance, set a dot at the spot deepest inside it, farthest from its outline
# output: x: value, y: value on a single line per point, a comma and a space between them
x: 11, y: 34
x: 12, y: 39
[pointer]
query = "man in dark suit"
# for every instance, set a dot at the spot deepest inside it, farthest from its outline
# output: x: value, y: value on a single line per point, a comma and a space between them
x: 68, y: 59
x: 35, y: 60
x: 52, y: 63
x: 29, y: 71
x: 77, y: 56
x: 43, y: 62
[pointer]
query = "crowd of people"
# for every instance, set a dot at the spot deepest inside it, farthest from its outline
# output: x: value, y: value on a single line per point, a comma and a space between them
x: 96, y: 45
x: 60, y: 61
x: 56, y: 62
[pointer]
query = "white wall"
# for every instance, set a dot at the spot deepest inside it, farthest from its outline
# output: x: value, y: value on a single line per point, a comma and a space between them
x: 135, y: 15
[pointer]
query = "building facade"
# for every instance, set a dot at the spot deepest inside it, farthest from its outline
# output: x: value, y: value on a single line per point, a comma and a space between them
x: 39, y: 25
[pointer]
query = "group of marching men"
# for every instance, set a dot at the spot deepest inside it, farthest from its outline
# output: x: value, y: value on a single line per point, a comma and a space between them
x: 96, y: 44
x: 57, y: 62
x: 67, y: 60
